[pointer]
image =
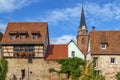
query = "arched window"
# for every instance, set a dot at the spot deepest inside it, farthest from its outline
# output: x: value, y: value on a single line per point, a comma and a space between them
x: 83, y: 41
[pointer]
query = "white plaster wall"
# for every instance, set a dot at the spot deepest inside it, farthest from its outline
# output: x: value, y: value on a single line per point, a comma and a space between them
x: 72, y: 47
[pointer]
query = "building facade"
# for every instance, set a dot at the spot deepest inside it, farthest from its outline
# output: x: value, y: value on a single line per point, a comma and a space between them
x: 105, y: 50
x: 74, y: 51
x: 102, y: 46
x: 22, y: 39
x: 24, y: 46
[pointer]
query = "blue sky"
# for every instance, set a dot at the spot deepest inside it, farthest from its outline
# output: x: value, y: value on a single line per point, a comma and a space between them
x: 63, y: 16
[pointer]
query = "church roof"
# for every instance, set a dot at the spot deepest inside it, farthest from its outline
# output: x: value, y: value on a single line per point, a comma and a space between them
x: 82, y: 20
x: 110, y: 38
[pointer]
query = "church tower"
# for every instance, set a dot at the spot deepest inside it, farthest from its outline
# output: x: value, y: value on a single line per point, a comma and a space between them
x: 82, y: 36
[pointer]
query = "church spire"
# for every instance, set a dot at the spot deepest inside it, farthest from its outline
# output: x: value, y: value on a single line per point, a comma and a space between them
x: 82, y: 20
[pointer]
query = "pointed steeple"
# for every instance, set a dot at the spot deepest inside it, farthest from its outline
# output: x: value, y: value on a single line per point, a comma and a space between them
x: 82, y: 20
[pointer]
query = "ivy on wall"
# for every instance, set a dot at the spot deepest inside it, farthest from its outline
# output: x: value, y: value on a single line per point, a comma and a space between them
x: 3, y: 69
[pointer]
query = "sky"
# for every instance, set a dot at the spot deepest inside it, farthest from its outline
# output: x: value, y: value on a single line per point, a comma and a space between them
x: 63, y: 16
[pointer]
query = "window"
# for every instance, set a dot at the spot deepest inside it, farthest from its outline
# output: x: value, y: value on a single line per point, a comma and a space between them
x: 83, y: 41
x: 73, y: 54
x: 103, y: 46
x: 16, y: 48
x: 27, y: 49
x: 95, y: 61
x: 35, y: 36
x: 24, y: 48
x: 12, y: 37
x: 22, y: 36
x: 31, y: 49
x: 23, y: 73
x: 112, y: 60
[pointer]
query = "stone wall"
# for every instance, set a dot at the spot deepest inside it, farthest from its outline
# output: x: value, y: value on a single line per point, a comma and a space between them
x: 107, y: 68
x: 38, y: 70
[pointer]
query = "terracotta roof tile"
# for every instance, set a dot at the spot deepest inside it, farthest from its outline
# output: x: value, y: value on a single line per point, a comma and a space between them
x: 110, y: 38
x: 27, y: 28
x: 55, y: 52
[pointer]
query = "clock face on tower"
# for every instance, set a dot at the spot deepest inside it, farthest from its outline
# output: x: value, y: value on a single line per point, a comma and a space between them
x: 83, y: 27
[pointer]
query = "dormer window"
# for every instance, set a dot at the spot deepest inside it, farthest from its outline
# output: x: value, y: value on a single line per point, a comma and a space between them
x: 35, y: 34
x: 22, y: 36
x: 12, y: 37
x: 103, y: 46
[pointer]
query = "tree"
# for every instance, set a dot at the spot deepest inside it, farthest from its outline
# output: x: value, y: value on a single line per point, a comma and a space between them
x: 71, y: 66
x: 3, y: 69
x: 89, y: 73
x: 118, y: 76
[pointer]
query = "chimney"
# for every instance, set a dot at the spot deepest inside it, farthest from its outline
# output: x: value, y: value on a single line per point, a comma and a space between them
x: 93, y: 28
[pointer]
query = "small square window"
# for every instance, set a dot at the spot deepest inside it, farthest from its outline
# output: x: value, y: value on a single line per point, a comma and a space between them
x: 103, y: 46
x: 73, y: 54
x: 35, y: 36
x: 112, y: 60
x: 95, y: 62
x: 12, y: 37
x: 22, y: 36
x: 16, y: 48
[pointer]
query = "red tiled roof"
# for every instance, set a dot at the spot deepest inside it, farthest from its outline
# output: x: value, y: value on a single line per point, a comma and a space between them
x: 55, y: 52
x: 27, y: 28
x: 110, y: 38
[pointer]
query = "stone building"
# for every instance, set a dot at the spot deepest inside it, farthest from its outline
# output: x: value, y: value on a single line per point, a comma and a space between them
x: 105, y: 50
x: 102, y: 46
x: 24, y: 46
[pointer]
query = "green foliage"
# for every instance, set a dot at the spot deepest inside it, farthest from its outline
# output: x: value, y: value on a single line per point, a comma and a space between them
x: 79, y: 69
x: 118, y: 76
x: 3, y: 69
x: 71, y: 66
x: 89, y: 73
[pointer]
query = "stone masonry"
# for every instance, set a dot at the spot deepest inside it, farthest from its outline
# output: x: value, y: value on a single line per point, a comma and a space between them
x: 109, y: 70
x: 38, y: 70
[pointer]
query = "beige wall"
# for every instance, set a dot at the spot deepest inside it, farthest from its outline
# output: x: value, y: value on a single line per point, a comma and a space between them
x: 108, y: 69
x: 39, y: 69
x: 38, y: 51
x: 8, y: 50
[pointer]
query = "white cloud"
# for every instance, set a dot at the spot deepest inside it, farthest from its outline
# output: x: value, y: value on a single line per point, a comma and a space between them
x: 2, y: 27
x: 65, y: 39
x: 11, y: 5
x: 95, y: 13
x: 62, y: 15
